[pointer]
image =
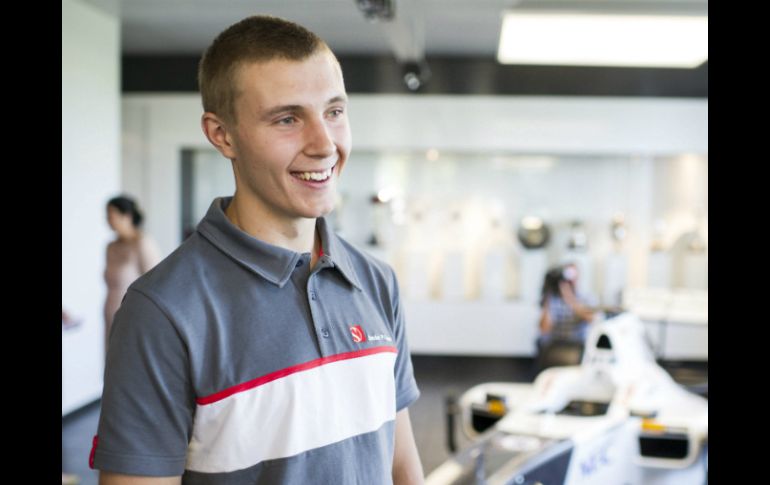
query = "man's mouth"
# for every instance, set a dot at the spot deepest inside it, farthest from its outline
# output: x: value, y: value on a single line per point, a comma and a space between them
x: 314, y: 176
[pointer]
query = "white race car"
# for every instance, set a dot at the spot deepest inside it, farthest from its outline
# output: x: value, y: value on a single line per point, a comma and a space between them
x: 618, y: 419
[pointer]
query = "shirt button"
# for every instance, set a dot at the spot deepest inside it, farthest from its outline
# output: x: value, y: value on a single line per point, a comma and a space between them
x: 312, y: 295
x: 325, y: 332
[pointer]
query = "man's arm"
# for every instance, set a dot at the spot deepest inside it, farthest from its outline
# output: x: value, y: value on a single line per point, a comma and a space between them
x: 407, y: 469
x: 148, y: 403
x: 107, y: 478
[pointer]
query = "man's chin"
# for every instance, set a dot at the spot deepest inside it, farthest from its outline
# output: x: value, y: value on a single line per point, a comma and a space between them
x: 317, y: 212
x: 324, y: 212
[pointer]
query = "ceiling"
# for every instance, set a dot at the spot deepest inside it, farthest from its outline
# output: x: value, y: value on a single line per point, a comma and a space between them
x: 430, y: 27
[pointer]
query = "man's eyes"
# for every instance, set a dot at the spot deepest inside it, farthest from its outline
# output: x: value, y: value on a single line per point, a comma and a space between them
x: 336, y: 112
x: 288, y: 120
x: 291, y: 120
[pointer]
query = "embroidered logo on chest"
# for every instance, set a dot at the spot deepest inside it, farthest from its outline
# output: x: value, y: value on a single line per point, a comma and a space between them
x: 358, y: 334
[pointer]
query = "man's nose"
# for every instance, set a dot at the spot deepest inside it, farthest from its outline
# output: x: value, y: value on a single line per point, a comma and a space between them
x: 318, y: 140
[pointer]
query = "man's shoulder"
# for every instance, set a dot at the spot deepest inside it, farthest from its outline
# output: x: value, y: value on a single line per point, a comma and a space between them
x: 176, y: 271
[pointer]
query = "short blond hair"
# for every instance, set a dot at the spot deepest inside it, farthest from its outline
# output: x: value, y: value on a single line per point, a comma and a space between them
x: 260, y: 38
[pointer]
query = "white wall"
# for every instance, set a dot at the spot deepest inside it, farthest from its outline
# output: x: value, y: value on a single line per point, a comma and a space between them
x: 90, y: 175
x: 155, y: 130
x: 524, y: 124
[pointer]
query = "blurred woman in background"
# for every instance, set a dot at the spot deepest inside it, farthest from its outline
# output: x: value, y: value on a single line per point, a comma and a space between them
x: 130, y: 255
x: 566, y: 313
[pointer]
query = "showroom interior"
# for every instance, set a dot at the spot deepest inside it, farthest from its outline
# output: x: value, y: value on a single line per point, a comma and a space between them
x: 477, y: 168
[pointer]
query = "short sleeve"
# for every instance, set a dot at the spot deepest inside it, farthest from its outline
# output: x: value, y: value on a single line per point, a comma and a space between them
x: 406, y: 386
x: 147, y: 402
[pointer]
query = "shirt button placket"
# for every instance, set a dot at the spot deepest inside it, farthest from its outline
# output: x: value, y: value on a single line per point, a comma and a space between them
x: 315, y: 313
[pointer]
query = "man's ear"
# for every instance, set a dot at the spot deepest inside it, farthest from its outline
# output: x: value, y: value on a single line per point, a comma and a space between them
x: 218, y: 134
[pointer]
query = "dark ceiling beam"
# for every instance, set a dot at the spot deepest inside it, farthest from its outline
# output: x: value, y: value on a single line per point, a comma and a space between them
x: 451, y: 75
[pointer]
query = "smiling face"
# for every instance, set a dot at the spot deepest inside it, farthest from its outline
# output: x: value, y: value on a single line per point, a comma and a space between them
x: 291, y: 136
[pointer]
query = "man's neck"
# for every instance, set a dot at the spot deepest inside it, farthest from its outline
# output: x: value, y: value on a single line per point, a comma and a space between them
x: 297, y: 235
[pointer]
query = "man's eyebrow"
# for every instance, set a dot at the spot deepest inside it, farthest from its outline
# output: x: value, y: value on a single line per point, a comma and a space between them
x: 293, y: 108
x: 337, y: 99
x: 281, y: 109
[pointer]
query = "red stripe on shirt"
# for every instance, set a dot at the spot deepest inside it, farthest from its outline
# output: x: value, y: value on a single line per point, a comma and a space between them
x: 259, y: 381
x: 94, y: 444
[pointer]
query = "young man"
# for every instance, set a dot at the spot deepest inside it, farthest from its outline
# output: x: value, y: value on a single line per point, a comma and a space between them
x: 265, y: 350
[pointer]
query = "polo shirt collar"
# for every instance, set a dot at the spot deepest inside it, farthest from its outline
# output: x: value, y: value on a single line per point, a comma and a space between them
x: 271, y: 262
x: 335, y: 251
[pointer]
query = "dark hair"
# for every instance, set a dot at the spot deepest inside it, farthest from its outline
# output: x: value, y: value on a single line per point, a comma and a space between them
x: 127, y: 205
x: 551, y: 282
x: 260, y: 38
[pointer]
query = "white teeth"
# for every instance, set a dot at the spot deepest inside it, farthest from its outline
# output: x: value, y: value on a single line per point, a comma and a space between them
x: 317, y: 176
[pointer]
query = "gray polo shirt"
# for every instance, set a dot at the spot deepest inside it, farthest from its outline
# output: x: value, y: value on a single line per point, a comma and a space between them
x: 233, y: 362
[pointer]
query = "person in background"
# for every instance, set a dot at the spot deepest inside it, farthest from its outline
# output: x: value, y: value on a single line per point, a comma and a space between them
x: 129, y: 256
x: 266, y: 349
x: 565, y: 313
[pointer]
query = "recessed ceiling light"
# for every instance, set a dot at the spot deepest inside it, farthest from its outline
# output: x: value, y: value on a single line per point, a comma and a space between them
x: 558, y: 38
